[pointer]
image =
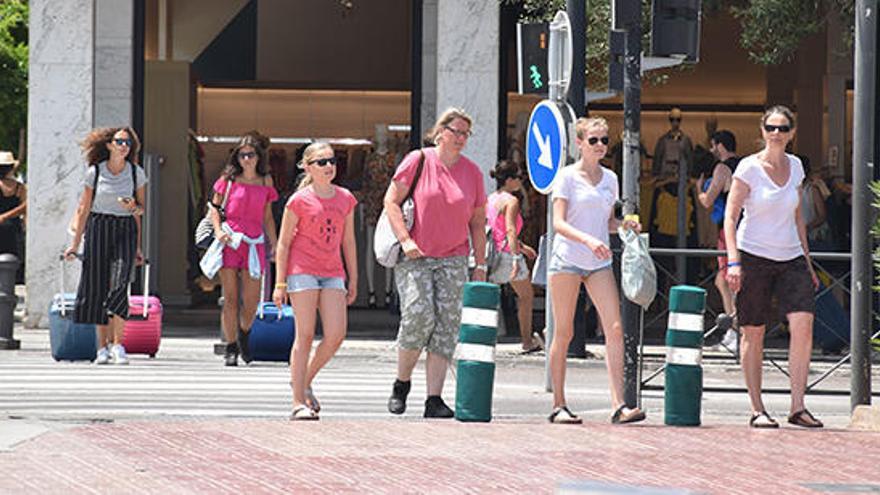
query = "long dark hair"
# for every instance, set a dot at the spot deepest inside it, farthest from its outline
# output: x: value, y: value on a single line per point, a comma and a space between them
x: 256, y: 141
x: 505, y: 169
x: 94, y: 146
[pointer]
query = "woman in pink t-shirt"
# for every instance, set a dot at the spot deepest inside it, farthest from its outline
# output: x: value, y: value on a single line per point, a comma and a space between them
x: 509, y: 266
x: 317, y: 222
x: 450, y: 205
x: 247, y: 187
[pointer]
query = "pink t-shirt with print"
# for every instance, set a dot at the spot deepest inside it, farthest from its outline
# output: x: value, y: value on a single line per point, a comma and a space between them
x: 316, y: 246
x: 445, y: 199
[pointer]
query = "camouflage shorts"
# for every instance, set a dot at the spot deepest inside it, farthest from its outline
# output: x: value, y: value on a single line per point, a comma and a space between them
x: 430, y: 292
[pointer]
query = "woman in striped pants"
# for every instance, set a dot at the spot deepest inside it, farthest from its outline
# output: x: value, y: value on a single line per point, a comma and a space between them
x: 109, y: 215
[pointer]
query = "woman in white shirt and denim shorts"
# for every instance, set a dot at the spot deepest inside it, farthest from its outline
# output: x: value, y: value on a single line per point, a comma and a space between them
x: 583, y: 215
x: 768, y: 258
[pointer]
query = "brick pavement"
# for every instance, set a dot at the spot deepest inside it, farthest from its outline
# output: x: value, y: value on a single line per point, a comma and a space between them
x: 404, y: 456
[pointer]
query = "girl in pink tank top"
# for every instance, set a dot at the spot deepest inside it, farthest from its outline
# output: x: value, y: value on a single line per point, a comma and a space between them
x: 509, y: 266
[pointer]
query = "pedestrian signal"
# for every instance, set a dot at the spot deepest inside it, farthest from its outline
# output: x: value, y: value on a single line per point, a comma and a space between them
x: 532, y: 41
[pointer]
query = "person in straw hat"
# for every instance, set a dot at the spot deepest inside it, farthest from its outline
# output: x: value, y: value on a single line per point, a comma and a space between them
x: 13, y: 204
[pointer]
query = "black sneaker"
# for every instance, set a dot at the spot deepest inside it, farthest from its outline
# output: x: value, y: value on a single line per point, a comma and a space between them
x: 243, y: 346
x: 436, y: 408
x: 231, y: 354
x: 397, y: 401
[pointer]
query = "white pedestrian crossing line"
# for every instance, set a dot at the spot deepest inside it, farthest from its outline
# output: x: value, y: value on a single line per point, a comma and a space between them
x: 178, y: 384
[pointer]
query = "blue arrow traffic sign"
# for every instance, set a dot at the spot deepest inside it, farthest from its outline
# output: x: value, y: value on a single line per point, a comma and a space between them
x: 546, y: 145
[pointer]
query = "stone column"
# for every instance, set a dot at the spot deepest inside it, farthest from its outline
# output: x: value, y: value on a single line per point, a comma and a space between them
x: 60, y: 113
x: 114, y: 32
x: 467, y: 71
x: 429, y: 64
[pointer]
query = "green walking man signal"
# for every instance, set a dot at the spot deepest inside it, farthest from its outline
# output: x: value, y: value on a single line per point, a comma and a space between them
x: 536, y: 77
x: 532, y: 74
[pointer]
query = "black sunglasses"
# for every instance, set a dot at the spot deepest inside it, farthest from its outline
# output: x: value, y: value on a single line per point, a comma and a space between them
x: 122, y: 142
x: 785, y: 129
x: 245, y: 155
x: 322, y: 162
x: 593, y: 140
x: 675, y: 119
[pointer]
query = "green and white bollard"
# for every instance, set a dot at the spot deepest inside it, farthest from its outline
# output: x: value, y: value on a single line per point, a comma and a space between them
x: 684, y: 356
x: 475, y: 352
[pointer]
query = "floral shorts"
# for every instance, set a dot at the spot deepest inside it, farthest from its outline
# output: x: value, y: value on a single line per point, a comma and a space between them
x: 430, y: 291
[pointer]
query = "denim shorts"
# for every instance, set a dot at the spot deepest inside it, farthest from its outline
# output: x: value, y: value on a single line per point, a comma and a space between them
x: 305, y: 281
x: 558, y: 265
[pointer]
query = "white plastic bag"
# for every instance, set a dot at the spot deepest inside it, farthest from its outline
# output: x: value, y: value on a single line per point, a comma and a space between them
x: 638, y: 276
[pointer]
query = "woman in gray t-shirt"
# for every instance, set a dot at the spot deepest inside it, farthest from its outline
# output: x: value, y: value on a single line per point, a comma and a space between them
x: 109, y: 215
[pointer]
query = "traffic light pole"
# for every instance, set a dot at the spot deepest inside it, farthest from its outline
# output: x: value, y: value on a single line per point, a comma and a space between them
x: 632, y: 108
x: 863, y: 165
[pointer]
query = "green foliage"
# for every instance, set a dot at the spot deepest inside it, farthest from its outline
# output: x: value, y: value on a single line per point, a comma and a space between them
x: 13, y: 71
x: 773, y: 29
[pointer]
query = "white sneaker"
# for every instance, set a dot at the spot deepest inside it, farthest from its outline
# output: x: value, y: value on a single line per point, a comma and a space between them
x: 730, y: 340
x: 119, y: 356
x: 103, y: 355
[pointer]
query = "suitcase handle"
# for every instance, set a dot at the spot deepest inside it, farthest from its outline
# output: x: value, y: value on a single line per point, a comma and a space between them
x: 61, y: 260
x: 146, y: 308
x: 260, y: 312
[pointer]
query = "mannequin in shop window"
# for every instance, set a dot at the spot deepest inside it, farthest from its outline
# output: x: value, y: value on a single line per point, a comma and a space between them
x: 377, y: 175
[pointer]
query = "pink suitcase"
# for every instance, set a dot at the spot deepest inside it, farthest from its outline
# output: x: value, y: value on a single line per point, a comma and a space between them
x: 143, y: 329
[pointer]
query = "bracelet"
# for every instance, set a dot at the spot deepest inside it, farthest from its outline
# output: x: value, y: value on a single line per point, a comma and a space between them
x: 480, y: 266
x: 280, y: 286
x: 731, y: 264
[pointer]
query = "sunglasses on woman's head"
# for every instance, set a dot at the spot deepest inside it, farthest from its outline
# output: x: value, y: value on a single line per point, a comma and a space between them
x: 246, y: 155
x: 593, y: 140
x: 781, y: 128
x: 322, y: 162
x: 122, y: 142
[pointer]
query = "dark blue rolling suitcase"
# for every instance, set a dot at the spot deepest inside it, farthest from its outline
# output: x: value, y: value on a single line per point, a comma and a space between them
x: 271, y: 335
x: 831, y: 326
x: 70, y: 341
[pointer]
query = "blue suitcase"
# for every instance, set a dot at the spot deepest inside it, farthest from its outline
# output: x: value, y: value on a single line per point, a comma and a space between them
x: 70, y: 341
x: 272, y: 333
x: 831, y: 325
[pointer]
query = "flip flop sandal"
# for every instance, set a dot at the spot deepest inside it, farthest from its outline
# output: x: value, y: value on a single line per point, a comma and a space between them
x: 622, y: 416
x: 762, y: 420
x: 303, y: 412
x: 312, y: 401
x: 533, y: 350
x: 800, y: 419
x: 563, y: 416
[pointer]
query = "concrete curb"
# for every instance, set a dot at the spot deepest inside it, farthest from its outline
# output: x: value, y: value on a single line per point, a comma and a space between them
x: 866, y: 418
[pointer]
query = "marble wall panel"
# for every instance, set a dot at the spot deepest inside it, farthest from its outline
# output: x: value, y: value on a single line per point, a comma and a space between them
x: 60, y: 113
x: 467, y: 72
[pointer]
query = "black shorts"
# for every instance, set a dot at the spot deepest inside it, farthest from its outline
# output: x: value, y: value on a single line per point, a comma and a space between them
x: 763, y: 280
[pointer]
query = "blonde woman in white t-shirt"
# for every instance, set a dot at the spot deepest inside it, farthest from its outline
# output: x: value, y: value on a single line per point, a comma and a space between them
x: 768, y: 256
x: 583, y: 216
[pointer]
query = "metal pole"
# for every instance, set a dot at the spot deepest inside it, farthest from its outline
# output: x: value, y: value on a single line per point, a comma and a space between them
x: 632, y: 108
x: 554, y: 94
x: 681, y: 224
x: 577, y: 16
x: 863, y: 163
x: 415, y: 105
